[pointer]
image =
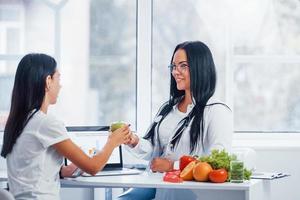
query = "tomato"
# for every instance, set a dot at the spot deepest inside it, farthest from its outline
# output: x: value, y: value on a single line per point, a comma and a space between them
x: 172, y: 178
x: 174, y: 172
x: 218, y: 176
x: 184, y: 161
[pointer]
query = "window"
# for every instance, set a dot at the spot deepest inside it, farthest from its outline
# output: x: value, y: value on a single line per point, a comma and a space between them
x: 95, y: 50
x: 192, y: 24
x: 266, y: 63
x: 113, y: 60
x: 256, y: 52
x: 11, y: 30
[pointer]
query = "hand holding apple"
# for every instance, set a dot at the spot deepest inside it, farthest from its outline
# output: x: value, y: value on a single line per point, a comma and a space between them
x: 116, y: 125
x: 120, y: 136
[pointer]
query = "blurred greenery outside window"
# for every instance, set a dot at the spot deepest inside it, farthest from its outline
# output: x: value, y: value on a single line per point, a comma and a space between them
x: 113, y: 59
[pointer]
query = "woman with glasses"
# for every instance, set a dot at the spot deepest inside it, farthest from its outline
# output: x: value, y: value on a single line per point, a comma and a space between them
x: 191, y: 122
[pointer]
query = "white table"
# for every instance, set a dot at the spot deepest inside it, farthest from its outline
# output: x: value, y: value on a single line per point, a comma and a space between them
x: 249, y: 190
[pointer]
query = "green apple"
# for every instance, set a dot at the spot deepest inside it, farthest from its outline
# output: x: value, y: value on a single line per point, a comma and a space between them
x: 116, y: 125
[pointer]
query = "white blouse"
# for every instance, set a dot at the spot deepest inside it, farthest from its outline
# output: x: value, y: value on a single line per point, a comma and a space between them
x: 218, y: 130
x: 33, y: 164
x: 169, y: 125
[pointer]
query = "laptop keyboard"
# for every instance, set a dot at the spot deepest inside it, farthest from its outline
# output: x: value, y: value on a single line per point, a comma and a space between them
x: 113, y: 169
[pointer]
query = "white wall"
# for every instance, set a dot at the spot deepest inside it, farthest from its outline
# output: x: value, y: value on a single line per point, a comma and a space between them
x: 281, y: 160
x: 276, y: 153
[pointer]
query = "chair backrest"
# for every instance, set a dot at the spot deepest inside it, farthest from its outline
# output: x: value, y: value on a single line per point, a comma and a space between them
x: 2, y: 160
x: 6, y: 195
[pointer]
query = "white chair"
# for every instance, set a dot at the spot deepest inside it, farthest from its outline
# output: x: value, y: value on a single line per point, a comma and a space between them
x: 2, y: 160
x: 6, y: 195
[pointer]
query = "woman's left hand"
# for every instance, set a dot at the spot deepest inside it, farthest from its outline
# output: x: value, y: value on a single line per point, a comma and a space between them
x: 161, y: 165
x: 67, y: 171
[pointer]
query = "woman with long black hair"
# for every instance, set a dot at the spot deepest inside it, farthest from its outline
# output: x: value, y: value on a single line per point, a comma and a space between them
x: 35, y: 142
x: 191, y: 122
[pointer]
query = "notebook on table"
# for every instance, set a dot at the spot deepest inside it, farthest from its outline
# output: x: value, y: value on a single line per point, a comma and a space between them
x: 91, y: 139
x: 268, y: 175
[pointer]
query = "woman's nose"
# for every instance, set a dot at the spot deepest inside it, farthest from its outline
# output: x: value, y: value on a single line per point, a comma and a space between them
x: 175, y: 71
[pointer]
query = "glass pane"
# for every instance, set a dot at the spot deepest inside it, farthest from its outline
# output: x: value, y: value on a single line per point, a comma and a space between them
x: 194, y: 23
x: 9, y: 14
x: 97, y: 59
x: 263, y: 28
x: 40, y: 27
x: 266, y: 27
x: 26, y: 30
x: 6, y: 85
x: 13, y: 41
x: 267, y: 97
x: 113, y: 59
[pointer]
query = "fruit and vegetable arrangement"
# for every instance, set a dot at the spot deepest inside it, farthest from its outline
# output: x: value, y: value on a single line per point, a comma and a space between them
x: 214, y: 168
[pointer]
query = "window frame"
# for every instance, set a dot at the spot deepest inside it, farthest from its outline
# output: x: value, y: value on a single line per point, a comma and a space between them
x: 4, y: 26
x: 144, y: 66
x: 15, y: 24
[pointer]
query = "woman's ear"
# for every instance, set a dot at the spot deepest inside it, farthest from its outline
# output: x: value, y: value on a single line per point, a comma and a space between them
x: 48, y: 83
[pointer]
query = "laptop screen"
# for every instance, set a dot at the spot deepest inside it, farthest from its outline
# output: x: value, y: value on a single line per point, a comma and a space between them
x: 91, y: 140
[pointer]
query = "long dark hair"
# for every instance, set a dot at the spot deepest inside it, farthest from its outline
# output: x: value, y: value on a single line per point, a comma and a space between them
x: 27, y: 95
x: 203, y: 84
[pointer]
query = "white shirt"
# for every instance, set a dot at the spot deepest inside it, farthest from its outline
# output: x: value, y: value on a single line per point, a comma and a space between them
x: 33, y: 165
x: 218, y: 130
x: 169, y: 125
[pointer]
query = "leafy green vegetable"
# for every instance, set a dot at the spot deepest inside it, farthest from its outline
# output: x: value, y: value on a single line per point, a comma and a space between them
x: 218, y: 159
x: 221, y: 159
x: 247, y: 174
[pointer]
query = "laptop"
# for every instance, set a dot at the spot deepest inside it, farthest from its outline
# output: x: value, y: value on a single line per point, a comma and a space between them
x: 91, y: 139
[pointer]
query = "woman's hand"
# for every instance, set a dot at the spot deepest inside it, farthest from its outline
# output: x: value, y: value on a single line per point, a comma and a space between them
x: 134, y: 140
x: 161, y: 165
x: 120, y: 136
x: 67, y: 171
